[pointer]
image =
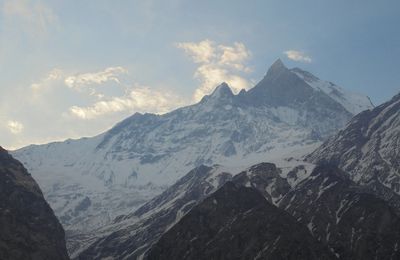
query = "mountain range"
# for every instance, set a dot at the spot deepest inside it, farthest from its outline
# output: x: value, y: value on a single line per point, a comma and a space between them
x: 214, y: 214
x: 91, y: 181
x: 348, y: 201
x: 294, y: 168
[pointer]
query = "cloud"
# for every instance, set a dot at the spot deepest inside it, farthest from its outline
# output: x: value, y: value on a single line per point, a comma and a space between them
x: 15, y: 127
x: 79, y: 82
x: 81, y: 103
x: 82, y: 80
x: 113, y: 98
x: 53, y: 75
x: 217, y: 64
x: 212, y: 75
x: 139, y: 99
x: 298, y: 56
x: 202, y: 52
x: 235, y: 56
x: 33, y: 16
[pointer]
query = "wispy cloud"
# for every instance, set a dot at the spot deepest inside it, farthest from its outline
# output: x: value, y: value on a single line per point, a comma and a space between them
x: 79, y: 81
x: 217, y: 64
x: 201, y: 52
x: 298, y: 56
x: 53, y: 75
x: 120, y: 97
x: 139, y: 99
x: 15, y: 127
x: 88, y: 82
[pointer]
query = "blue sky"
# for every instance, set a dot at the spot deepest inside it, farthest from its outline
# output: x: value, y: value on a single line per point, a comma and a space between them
x: 75, y: 68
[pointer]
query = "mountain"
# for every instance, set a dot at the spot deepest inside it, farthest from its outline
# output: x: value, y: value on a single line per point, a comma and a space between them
x: 28, y: 227
x: 90, y: 181
x: 368, y: 149
x: 318, y: 104
x: 342, y: 216
x: 349, y: 219
x: 237, y: 222
x: 352, y: 102
x: 133, y: 234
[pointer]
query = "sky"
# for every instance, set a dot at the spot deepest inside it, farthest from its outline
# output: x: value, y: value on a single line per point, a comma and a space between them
x: 74, y: 68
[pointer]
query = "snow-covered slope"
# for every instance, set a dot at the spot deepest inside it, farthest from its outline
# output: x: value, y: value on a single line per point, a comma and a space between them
x: 90, y: 181
x: 351, y: 101
x: 130, y: 236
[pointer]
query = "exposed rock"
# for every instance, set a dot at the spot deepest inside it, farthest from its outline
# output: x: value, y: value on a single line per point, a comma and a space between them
x: 28, y: 226
x: 237, y: 222
x: 354, y: 223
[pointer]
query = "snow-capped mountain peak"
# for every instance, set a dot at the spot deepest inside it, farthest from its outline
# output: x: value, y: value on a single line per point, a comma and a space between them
x: 91, y: 180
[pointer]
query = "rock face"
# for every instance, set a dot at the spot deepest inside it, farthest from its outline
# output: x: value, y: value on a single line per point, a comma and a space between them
x: 347, y: 219
x: 91, y: 181
x: 266, y: 178
x: 369, y: 150
x: 237, y: 222
x: 314, y: 108
x: 28, y: 226
x: 351, y: 221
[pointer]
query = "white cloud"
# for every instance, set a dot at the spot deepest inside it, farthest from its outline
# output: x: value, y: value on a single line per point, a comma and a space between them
x: 202, y: 52
x: 212, y: 75
x: 79, y: 81
x: 33, y: 16
x: 217, y: 64
x: 139, y: 99
x: 235, y: 56
x: 120, y: 97
x: 15, y: 127
x: 298, y: 56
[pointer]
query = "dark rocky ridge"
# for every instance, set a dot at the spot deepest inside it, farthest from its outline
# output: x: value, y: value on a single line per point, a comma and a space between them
x: 165, y: 210
x: 28, y: 226
x: 354, y: 223
x: 342, y: 216
x: 237, y: 222
x: 369, y: 150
